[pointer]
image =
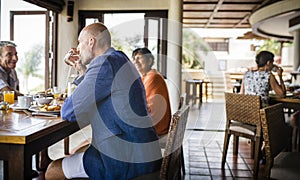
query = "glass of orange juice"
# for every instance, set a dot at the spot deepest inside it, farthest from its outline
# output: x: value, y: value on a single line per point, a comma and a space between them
x: 9, y: 96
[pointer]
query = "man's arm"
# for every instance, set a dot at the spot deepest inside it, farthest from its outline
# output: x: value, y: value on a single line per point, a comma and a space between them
x: 7, y: 88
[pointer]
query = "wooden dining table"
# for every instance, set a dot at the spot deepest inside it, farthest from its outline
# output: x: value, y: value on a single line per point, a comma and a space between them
x: 290, y: 102
x: 23, y: 135
x: 196, y: 85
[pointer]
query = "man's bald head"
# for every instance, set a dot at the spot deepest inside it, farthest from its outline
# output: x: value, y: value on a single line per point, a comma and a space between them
x: 99, y: 32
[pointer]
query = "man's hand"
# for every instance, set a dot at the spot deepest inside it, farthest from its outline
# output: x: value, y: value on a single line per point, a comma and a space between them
x: 80, y: 67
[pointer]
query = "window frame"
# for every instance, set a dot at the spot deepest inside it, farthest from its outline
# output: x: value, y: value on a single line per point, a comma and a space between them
x: 50, y: 44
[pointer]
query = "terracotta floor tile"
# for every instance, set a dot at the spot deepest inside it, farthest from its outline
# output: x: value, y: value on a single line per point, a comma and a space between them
x: 238, y: 166
x: 192, y: 177
x: 220, y: 172
x: 197, y: 159
x: 199, y: 171
x: 222, y: 178
x: 214, y: 165
x: 199, y: 164
x: 241, y: 173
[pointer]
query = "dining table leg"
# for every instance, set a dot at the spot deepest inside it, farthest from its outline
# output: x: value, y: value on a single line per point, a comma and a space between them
x: 200, y: 92
x: 67, y: 146
x: 188, y: 93
x: 17, y: 165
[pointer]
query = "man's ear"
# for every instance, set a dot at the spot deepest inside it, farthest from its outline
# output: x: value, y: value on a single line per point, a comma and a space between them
x: 91, y: 42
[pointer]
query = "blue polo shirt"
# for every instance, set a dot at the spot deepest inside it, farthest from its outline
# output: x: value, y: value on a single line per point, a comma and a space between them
x: 111, y: 97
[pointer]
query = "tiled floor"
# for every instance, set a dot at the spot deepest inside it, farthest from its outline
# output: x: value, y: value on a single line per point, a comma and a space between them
x: 202, y: 146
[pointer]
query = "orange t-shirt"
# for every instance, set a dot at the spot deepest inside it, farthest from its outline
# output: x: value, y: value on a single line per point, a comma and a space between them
x: 158, y: 101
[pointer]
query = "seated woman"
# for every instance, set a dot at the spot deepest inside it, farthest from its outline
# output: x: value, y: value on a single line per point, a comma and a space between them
x: 260, y: 81
x: 156, y: 90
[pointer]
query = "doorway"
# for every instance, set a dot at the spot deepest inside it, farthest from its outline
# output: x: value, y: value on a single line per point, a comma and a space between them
x: 131, y: 30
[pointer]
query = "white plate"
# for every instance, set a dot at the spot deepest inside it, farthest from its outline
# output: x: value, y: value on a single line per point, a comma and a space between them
x: 36, y: 109
x: 16, y: 107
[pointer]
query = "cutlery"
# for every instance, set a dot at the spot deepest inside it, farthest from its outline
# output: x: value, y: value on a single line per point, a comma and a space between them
x: 27, y: 112
x: 43, y: 114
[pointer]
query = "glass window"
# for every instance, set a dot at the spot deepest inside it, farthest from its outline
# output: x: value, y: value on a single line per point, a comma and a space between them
x: 32, y: 29
x: 31, y: 52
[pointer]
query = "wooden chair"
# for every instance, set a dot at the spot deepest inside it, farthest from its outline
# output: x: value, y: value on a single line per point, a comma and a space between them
x: 172, y: 156
x: 277, y: 134
x: 243, y: 120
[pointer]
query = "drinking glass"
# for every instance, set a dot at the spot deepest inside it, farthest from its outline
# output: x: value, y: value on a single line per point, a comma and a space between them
x: 9, y: 97
x: 275, y: 68
x: 71, y: 57
x: 56, y: 92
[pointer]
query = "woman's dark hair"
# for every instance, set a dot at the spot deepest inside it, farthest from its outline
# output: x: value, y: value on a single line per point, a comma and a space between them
x: 145, y: 52
x: 263, y: 57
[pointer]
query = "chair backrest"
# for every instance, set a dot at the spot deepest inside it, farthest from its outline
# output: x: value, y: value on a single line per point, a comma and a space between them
x: 171, y: 165
x: 243, y: 108
x: 182, y: 100
x: 275, y: 132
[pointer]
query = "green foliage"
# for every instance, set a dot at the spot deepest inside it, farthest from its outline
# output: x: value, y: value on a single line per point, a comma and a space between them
x: 192, y: 48
x: 273, y: 46
x: 125, y: 44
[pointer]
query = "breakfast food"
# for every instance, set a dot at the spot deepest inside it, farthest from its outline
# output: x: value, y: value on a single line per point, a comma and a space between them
x: 50, y: 108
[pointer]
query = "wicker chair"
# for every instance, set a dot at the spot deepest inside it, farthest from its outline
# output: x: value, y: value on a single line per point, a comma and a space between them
x: 181, y: 104
x: 163, y: 138
x: 277, y: 134
x: 243, y: 120
x: 171, y: 165
x: 172, y: 156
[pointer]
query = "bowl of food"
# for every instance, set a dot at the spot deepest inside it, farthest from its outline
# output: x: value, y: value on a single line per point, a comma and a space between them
x: 44, y: 100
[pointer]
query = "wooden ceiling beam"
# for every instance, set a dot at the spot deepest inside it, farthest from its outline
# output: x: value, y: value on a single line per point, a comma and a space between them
x: 218, y: 6
x: 246, y: 18
x: 227, y: 3
x: 243, y: 20
x: 205, y: 10
x: 216, y: 18
x: 220, y: 13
